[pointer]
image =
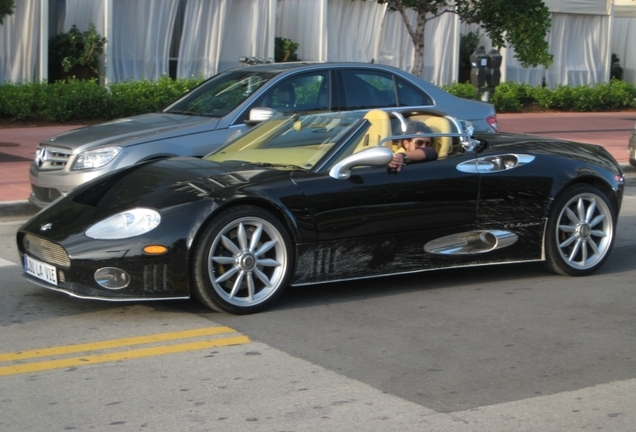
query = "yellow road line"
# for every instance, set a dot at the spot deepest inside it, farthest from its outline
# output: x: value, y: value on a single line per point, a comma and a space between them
x: 125, y: 355
x: 113, y: 343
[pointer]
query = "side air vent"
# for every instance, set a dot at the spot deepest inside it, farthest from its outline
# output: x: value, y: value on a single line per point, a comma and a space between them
x: 472, y: 242
x: 155, y: 278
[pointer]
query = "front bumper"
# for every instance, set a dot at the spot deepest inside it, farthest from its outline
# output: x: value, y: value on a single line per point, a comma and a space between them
x: 47, y: 186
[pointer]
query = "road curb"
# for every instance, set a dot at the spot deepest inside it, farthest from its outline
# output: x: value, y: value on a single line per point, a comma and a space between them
x: 17, y: 208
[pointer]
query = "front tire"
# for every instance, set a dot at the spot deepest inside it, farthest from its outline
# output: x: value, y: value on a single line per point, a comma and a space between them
x: 580, y: 231
x: 242, y: 262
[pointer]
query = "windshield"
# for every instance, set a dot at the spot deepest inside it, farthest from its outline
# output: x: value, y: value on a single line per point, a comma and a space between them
x: 298, y: 141
x: 221, y: 94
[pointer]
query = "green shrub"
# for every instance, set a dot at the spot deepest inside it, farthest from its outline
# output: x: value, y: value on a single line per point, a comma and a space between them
x: 140, y: 97
x: 75, y: 54
x: 462, y: 90
x: 515, y: 97
x: 22, y: 101
x: 285, y: 50
x: 506, y: 98
x: 76, y: 100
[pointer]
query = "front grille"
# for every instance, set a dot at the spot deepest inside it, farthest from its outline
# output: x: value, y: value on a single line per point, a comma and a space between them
x: 155, y: 278
x: 46, y: 250
x: 45, y: 194
x: 51, y: 158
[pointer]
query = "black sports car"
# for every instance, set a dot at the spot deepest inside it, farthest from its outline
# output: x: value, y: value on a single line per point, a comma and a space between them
x: 306, y: 199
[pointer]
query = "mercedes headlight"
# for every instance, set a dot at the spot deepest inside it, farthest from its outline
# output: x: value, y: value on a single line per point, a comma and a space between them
x: 95, y: 158
x: 126, y: 224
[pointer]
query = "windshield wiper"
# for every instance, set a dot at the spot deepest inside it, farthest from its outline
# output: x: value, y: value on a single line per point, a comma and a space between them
x: 184, y: 112
x: 276, y: 165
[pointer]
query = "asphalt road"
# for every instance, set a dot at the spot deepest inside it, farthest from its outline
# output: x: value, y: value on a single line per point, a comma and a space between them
x: 484, y: 349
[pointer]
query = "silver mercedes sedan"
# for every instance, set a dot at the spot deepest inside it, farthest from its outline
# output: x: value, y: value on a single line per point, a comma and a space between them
x: 228, y: 104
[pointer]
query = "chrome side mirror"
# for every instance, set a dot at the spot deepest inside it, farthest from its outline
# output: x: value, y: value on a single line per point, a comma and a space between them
x: 259, y: 114
x: 374, y: 156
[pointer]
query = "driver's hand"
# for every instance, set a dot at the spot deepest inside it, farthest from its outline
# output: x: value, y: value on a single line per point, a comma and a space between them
x: 397, y: 162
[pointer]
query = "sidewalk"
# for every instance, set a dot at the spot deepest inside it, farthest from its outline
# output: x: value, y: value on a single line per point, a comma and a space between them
x: 610, y: 130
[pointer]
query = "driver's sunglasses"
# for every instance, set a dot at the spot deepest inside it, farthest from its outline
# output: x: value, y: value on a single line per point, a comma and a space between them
x: 421, y: 142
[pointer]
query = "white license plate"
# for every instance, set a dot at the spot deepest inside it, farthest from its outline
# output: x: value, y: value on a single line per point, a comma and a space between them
x: 40, y: 270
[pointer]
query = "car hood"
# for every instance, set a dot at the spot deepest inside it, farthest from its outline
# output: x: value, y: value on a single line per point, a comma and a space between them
x: 133, y: 130
x: 168, y: 185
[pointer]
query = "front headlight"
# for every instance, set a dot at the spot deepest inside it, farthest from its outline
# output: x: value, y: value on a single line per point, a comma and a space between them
x: 125, y: 224
x: 95, y: 158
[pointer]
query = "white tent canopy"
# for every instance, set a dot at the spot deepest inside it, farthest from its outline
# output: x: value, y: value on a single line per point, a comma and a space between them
x: 216, y: 33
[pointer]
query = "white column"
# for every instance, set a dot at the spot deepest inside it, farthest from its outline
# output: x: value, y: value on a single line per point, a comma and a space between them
x: 43, y: 73
x: 271, y: 30
x: 608, y: 49
x: 322, y: 33
x: 108, y: 32
x: 455, y: 55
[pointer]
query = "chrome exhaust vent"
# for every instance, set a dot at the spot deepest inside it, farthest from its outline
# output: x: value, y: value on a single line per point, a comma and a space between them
x: 471, y: 242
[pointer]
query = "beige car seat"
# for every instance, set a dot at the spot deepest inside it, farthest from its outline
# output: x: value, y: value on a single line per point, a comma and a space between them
x: 380, y: 128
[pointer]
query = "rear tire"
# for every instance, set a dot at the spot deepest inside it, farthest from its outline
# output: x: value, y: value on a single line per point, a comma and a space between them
x: 242, y: 261
x: 580, y: 231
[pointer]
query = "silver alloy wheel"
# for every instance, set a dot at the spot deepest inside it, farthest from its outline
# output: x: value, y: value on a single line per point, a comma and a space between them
x: 584, y: 231
x: 247, y: 262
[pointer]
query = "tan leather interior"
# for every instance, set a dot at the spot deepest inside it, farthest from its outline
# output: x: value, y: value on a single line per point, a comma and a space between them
x: 380, y: 128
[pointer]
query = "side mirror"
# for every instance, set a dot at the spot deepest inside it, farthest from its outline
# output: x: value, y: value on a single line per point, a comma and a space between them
x: 259, y: 114
x: 374, y: 156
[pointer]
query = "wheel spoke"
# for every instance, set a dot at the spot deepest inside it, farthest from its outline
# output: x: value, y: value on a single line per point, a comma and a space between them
x: 593, y: 246
x: 580, y: 209
x: 590, y: 211
x: 568, y: 242
x: 242, y: 237
x: 256, y: 237
x: 575, y: 250
x: 598, y: 233
x: 265, y: 247
x: 224, y: 260
x: 263, y: 278
x: 229, y: 245
x: 598, y: 219
x: 583, y: 251
x: 228, y: 274
x: 251, y: 288
x: 567, y: 228
x: 570, y: 214
x: 237, y: 284
x: 267, y: 262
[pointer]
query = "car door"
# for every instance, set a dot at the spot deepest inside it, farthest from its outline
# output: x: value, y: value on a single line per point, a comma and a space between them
x: 377, y: 222
x: 424, y: 199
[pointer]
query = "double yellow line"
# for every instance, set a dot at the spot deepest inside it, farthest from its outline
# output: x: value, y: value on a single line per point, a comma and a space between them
x: 21, y: 365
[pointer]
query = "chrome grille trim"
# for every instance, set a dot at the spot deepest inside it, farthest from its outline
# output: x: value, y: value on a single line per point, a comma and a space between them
x: 51, y: 158
x: 46, y: 250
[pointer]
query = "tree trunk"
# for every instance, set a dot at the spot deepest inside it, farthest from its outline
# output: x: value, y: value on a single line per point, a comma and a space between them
x: 418, y: 43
